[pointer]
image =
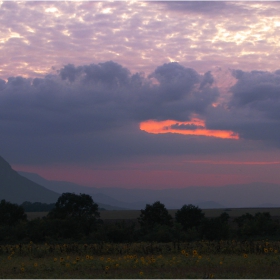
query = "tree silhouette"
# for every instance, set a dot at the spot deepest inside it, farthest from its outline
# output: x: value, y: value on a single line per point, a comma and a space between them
x: 70, y: 205
x: 11, y: 213
x: 189, y: 216
x: 153, y: 215
x: 78, y: 215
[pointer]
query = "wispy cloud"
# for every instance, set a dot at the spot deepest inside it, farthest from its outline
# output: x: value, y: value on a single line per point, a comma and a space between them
x: 222, y: 162
x: 36, y: 36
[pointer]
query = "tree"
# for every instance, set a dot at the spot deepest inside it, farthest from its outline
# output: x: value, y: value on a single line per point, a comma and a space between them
x: 11, y: 213
x: 78, y: 212
x: 216, y: 228
x: 242, y: 220
x: 189, y: 216
x: 153, y: 215
x: 259, y: 225
x: 70, y: 205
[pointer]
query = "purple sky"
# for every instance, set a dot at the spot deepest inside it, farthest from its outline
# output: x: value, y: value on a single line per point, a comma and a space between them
x: 141, y: 94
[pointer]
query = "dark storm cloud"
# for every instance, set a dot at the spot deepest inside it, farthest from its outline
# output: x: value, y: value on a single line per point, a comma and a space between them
x: 176, y: 78
x: 180, y: 91
x: 254, y: 107
x: 109, y: 74
x: 2, y: 84
x: 257, y: 90
x: 249, y: 124
x: 207, y: 79
x: 93, y: 111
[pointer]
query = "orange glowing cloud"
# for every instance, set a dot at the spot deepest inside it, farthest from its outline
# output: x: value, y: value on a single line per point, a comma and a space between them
x: 197, y: 127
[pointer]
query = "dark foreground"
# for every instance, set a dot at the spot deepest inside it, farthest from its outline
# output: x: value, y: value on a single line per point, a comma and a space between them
x: 203, y: 259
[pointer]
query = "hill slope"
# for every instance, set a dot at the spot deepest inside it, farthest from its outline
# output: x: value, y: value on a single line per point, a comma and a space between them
x: 17, y: 189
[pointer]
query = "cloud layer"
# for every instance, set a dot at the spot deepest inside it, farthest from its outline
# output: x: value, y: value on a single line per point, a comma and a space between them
x: 93, y: 113
x: 36, y: 36
x: 253, y: 109
x: 121, y: 84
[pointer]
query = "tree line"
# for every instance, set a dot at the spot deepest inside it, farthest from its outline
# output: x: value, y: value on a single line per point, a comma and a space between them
x: 76, y: 218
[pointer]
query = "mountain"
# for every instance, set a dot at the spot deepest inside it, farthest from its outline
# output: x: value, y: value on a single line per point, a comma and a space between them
x: 17, y: 189
x: 98, y: 196
x: 102, y: 206
x: 56, y: 186
x: 234, y: 195
x: 104, y: 201
x: 118, y: 197
x: 210, y: 205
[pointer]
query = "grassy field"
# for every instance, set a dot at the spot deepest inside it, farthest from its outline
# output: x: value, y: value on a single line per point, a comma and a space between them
x: 223, y: 259
x: 134, y: 214
x: 228, y: 259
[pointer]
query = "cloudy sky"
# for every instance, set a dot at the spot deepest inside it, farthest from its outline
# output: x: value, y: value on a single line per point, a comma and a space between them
x: 141, y: 94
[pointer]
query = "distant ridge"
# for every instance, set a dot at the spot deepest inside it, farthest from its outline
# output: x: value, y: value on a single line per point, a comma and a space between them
x: 256, y: 194
x: 17, y: 189
x: 103, y: 200
x: 210, y: 205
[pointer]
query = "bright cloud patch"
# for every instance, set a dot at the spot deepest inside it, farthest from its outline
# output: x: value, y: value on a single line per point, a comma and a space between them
x: 194, y: 127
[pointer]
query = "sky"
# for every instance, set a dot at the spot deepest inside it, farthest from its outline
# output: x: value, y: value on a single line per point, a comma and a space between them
x: 141, y: 94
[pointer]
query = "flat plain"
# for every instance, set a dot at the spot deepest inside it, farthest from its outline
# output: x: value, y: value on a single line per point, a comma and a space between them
x: 134, y: 214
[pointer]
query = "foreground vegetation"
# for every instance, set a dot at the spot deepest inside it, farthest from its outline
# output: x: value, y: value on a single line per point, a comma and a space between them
x: 77, y: 217
x: 73, y: 242
x: 203, y: 259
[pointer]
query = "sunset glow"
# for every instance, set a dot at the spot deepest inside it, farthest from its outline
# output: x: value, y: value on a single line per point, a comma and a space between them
x: 157, y: 127
x: 159, y: 94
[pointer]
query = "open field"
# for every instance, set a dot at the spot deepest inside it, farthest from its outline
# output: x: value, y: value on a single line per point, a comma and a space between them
x: 134, y: 214
x: 34, y: 215
x: 220, y: 259
x: 211, y: 213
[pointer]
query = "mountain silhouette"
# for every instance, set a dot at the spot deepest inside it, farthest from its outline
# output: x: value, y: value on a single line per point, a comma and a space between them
x: 17, y: 189
x: 255, y: 194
